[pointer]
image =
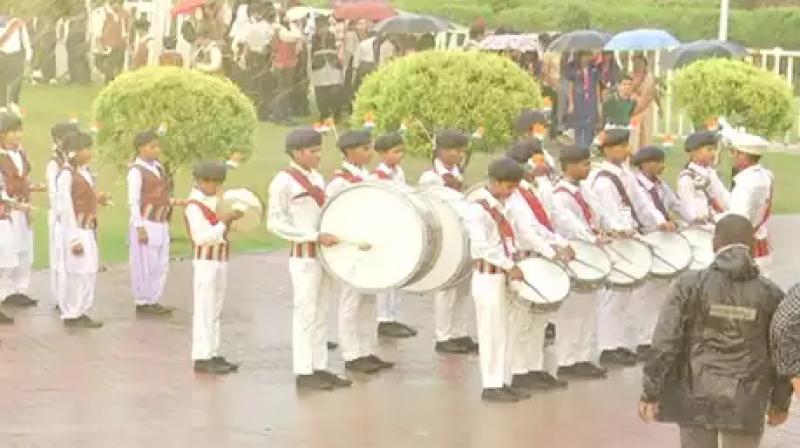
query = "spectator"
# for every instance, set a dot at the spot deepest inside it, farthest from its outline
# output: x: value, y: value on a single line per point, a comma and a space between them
x: 645, y: 91
x: 388, y: 50
x: 551, y: 78
x: 300, y: 84
x: 252, y: 43
x: 353, y: 37
x: 710, y: 367
x: 284, y: 62
x: 111, y: 30
x: 170, y: 56
x: 619, y: 106
x: 78, y: 50
x: 364, y: 60
x: 15, y: 51
x: 610, y: 72
x: 327, y: 75
x: 584, y: 99
x: 426, y: 42
x: 785, y: 335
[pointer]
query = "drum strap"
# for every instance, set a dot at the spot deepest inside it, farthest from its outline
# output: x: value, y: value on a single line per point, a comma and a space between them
x: 506, y: 231
x: 712, y: 202
x: 587, y: 211
x: 348, y: 176
x: 536, y: 206
x: 382, y: 175
x: 314, y: 191
x: 622, y: 193
x: 654, y: 194
x: 767, y: 211
x: 453, y: 182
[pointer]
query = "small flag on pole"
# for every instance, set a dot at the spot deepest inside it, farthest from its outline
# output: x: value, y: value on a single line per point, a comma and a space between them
x: 162, y: 129
x: 478, y: 134
x: 369, y: 120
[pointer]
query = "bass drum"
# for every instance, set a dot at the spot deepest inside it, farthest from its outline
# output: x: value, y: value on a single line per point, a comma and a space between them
x: 389, y: 238
x: 701, y: 241
x: 631, y: 262
x: 546, y: 284
x: 454, y: 263
x: 590, y: 268
x: 672, y: 253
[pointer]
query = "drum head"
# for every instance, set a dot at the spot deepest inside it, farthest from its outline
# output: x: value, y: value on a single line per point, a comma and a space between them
x: 395, y: 226
x: 631, y: 261
x: 453, y: 246
x: 550, y: 281
x: 701, y: 242
x: 248, y: 203
x: 591, y: 263
x: 672, y: 253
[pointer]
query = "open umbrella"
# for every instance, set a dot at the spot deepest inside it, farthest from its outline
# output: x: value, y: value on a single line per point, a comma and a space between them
x: 409, y: 24
x: 703, y: 49
x: 521, y: 42
x: 187, y: 6
x: 579, y: 40
x: 642, y: 39
x: 367, y: 10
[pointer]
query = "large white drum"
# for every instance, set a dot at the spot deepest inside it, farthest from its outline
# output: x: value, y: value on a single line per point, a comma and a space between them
x: 546, y: 284
x: 701, y: 241
x: 672, y: 253
x: 454, y: 262
x: 390, y: 238
x: 590, y: 268
x: 631, y: 261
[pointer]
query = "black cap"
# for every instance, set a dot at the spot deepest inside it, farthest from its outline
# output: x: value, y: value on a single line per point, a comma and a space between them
x: 354, y: 139
x: 76, y: 142
x: 573, y: 154
x: 302, y: 138
x: 10, y: 121
x: 700, y: 139
x: 647, y: 154
x: 451, y: 139
x: 210, y: 170
x: 388, y: 141
x: 145, y: 138
x: 523, y: 150
x: 60, y: 130
x: 615, y: 136
x: 527, y: 118
x: 505, y: 169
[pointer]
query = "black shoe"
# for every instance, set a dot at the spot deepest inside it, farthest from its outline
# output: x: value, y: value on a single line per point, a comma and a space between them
x: 335, y: 380
x: 628, y: 356
x: 522, y: 381
x: 643, y: 351
x: 210, y: 367
x: 617, y: 357
x: 522, y: 394
x: 87, y: 322
x: 587, y: 370
x: 498, y: 394
x: 332, y: 345
x: 153, y: 310
x: 20, y: 300
x: 362, y: 365
x: 550, y: 333
x: 57, y: 308
x: 312, y: 382
x: 5, y: 319
x: 452, y: 347
x: 566, y: 370
x: 221, y: 360
x: 468, y: 343
x: 544, y: 381
x: 410, y: 331
x: 380, y: 363
x: 392, y: 330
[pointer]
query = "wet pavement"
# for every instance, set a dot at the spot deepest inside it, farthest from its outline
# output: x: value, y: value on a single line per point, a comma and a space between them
x: 130, y: 384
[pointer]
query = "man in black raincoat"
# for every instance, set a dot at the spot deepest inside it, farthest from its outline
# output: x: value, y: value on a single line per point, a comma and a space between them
x: 710, y: 368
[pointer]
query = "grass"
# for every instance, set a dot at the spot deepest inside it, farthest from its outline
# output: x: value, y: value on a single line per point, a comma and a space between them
x: 46, y: 105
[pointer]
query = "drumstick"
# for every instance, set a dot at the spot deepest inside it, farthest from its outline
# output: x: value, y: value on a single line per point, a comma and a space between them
x: 535, y: 289
x: 653, y: 249
x: 587, y: 264
x: 619, y: 254
x: 363, y: 245
x: 626, y: 274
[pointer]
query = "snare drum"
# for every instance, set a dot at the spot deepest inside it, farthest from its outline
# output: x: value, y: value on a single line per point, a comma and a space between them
x: 548, y: 284
x: 245, y: 201
x: 672, y: 253
x: 631, y: 261
x: 590, y: 268
x: 400, y: 231
x: 701, y: 242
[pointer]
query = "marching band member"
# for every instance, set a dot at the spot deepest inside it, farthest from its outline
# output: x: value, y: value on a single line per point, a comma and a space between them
x: 700, y: 190
x: 357, y: 320
x: 296, y: 198
x: 534, y: 124
x: 535, y: 232
x: 8, y: 249
x: 495, y: 251
x: 208, y: 233
x: 752, y: 194
x: 78, y: 200
x: 150, y: 205
x: 628, y: 208
x: 391, y: 149
x: 15, y: 168
x: 577, y: 318
x: 451, y: 305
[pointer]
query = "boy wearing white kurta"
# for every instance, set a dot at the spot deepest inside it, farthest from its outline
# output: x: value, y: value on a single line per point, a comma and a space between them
x: 8, y: 250
x: 699, y: 189
x: 452, y: 305
x: 358, y: 335
x: 296, y: 198
x: 390, y: 148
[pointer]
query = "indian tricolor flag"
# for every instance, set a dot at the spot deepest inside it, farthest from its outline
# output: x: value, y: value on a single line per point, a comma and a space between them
x: 369, y: 120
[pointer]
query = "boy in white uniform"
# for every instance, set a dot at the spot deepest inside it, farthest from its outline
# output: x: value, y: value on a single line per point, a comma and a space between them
x: 699, y: 189
x: 534, y: 124
x: 296, y: 198
x: 58, y: 132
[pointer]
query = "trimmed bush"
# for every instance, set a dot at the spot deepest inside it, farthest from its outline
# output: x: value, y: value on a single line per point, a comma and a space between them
x: 749, y: 96
x: 462, y: 90
x: 205, y: 116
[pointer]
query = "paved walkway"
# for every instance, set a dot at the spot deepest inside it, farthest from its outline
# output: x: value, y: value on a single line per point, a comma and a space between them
x: 130, y: 384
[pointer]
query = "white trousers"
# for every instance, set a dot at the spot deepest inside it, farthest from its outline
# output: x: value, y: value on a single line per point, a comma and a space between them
x: 451, y: 311
x: 77, y: 275
x: 149, y: 263
x: 645, y: 307
x: 55, y: 245
x: 8, y: 258
x: 310, y: 288
x: 77, y: 295
x: 358, y: 333
x: 526, y: 339
x: 22, y: 235
x: 489, y: 291
x: 616, y: 326
x: 576, y: 327
x: 209, y: 285
x: 388, y: 303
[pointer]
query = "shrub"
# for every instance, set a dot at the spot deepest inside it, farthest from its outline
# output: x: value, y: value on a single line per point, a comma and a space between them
x: 205, y: 116
x: 463, y: 90
x: 749, y: 96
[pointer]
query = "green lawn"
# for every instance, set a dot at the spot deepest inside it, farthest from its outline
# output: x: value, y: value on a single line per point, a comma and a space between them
x: 46, y: 105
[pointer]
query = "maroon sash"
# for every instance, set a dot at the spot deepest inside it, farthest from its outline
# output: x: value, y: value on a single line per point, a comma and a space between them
x: 314, y: 191
x: 536, y: 206
x: 506, y: 231
x: 621, y: 191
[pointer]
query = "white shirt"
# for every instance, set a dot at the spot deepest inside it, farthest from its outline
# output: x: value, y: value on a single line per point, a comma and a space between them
x: 386, y: 52
x: 255, y: 35
x: 486, y: 243
x: 135, y: 189
x: 201, y: 231
x: 532, y: 235
x: 667, y: 196
x: 365, y: 52
x: 574, y: 225
x: 18, y: 41
x: 433, y: 176
x: 396, y: 174
x: 338, y: 183
x: 292, y: 213
x: 751, y: 196
x: 696, y: 184
x: 620, y: 215
x: 69, y: 222
x: 51, y: 174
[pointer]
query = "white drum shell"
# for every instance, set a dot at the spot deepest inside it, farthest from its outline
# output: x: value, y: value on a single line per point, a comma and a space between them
x: 549, y: 278
x: 673, y: 248
x: 631, y: 262
x: 248, y: 203
x: 701, y: 242
x: 591, y: 266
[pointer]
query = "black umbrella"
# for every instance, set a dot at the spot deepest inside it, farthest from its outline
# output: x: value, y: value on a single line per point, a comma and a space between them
x: 703, y: 49
x: 410, y: 24
x: 579, y: 40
